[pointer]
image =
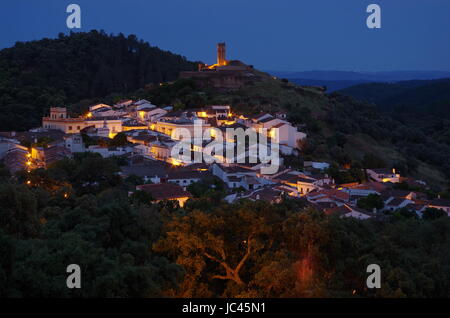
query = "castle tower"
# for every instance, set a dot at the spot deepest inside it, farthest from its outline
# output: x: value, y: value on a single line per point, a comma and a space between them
x: 221, y: 54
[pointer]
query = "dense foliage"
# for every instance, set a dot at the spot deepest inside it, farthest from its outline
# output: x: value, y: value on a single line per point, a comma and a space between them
x: 130, y: 247
x: 422, y: 108
x: 416, y: 145
x: 78, y: 212
x: 423, y: 97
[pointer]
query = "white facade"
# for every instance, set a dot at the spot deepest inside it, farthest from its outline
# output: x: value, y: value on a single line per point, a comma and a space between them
x: 384, y: 175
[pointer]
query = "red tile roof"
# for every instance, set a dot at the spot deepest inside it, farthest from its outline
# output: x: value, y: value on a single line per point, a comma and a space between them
x: 164, y: 191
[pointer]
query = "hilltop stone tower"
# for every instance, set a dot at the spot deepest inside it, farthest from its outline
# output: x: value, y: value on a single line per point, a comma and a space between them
x: 225, y: 75
x: 221, y: 61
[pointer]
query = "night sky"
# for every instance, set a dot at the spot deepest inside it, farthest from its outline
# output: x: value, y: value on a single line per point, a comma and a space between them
x: 284, y: 35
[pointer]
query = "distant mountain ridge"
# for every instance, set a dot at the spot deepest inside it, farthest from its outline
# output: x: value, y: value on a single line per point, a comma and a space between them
x: 338, y: 80
x: 389, y: 76
x: 330, y: 85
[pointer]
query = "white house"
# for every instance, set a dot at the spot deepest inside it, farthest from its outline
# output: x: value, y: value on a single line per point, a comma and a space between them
x: 393, y: 204
x: 236, y: 176
x: 74, y: 143
x: 384, y: 175
x: 185, y: 177
x: 306, y: 184
x: 316, y: 165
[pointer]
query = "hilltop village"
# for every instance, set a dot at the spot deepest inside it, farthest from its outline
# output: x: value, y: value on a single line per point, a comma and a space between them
x: 144, y: 135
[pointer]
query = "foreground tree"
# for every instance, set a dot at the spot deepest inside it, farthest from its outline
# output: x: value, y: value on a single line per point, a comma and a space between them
x: 218, y: 245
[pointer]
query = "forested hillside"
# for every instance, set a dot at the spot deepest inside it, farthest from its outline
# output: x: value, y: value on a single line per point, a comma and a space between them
x: 424, y: 97
x: 53, y: 72
x: 422, y: 107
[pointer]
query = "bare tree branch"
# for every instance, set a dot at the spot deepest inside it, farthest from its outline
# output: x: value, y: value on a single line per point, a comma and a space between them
x: 246, y: 256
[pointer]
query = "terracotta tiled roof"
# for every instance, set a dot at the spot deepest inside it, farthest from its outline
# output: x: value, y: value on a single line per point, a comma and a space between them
x: 440, y: 202
x: 382, y: 171
x: 279, y: 125
x: 164, y: 191
x: 53, y: 154
x: 186, y: 174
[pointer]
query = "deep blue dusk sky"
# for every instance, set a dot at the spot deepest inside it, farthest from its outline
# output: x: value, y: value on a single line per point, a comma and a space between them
x: 284, y: 35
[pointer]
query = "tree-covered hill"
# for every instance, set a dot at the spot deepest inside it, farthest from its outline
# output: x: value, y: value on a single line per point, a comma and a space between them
x: 53, y: 72
x: 423, y: 107
x: 425, y: 97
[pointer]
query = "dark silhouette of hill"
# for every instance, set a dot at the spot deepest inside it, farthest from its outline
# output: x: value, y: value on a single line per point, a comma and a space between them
x: 338, y: 80
x: 388, y: 76
x: 427, y: 97
x: 331, y: 85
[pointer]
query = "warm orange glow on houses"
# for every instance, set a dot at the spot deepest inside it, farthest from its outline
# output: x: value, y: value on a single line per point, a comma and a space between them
x: 128, y: 128
x: 175, y: 162
x: 182, y: 201
x: 273, y: 132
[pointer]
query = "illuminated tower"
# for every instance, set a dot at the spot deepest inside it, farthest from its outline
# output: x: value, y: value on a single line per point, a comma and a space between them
x: 221, y: 54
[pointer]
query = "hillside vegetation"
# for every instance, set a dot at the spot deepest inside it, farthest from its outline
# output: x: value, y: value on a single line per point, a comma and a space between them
x: 424, y: 97
x: 128, y: 246
x: 421, y: 106
x: 53, y: 72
